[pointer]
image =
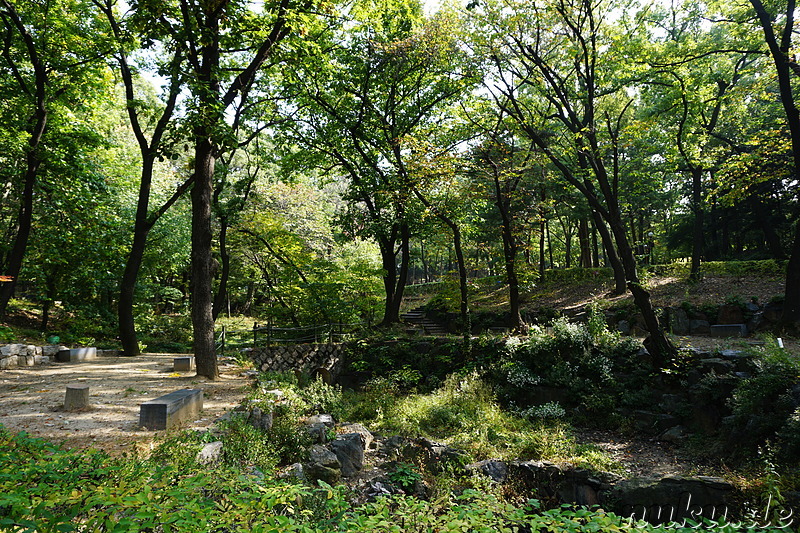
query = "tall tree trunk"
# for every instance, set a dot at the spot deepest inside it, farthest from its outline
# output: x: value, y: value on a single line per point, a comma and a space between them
x: 542, y: 257
x: 25, y: 216
x: 460, y: 261
x: 780, y: 52
x: 389, y: 263
x: 202, y: 316
x: 127, y: 290
x: 392, y: 310
x: 657, y: 343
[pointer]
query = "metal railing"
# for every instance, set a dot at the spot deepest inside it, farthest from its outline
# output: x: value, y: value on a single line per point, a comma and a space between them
x: 269, y: 335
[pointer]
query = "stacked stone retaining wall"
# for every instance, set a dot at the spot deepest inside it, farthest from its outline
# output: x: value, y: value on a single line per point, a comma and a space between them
x: 305, y: 358
x: 21, y: 355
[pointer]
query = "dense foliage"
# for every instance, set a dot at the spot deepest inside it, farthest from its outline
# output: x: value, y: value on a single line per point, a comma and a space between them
x: 359, y: 154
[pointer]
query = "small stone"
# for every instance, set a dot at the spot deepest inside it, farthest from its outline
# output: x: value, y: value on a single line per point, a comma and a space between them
x: 210, y: 453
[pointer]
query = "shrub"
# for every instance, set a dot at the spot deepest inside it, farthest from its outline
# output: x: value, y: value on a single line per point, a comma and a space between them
x: 764, y: 406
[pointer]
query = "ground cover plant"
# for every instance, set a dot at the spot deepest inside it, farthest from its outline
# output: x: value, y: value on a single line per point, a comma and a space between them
x: 46, y: 488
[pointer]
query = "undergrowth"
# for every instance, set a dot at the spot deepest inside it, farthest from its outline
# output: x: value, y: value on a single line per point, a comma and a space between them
x: 45, y: 488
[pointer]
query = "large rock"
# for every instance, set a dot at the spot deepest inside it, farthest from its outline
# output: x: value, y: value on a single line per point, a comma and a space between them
x: 8, y: 361
x: 210, y: 453
x: 699, y: 327
x: 730, y: 314
x: 260, y: 419
x: 679, y: 321
x: 672, y: 498
x: 366, y: 435
x: 494, y: 469
x: 349, y: 450
x: 323, y: 465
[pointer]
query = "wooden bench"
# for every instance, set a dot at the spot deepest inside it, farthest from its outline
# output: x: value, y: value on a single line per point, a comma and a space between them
x: 171, y: 409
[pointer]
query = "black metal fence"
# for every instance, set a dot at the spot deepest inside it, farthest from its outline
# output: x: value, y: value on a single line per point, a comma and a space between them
x: 269, y: 335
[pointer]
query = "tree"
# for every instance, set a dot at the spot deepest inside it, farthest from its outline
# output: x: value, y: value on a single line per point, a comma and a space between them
x: 227, y: 46
x: 547, y: 77
x: 383, y: 79
x: 152, y: 146
x: 781, y: 17
x: 40, y: 78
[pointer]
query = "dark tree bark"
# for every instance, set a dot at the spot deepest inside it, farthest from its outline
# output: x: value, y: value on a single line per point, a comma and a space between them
x: 149, y: 149
x: 620, y: 282
x: 585, y: 258
x: 460, y: 261
x: 205, y: 62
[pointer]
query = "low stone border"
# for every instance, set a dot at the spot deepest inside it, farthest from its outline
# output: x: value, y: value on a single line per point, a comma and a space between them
x: 22, y: 355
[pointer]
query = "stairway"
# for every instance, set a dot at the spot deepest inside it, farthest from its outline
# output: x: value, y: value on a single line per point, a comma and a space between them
x: 417, y: 318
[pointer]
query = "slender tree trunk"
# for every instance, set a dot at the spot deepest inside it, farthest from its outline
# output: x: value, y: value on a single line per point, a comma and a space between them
x: 225, y: 259
x: 510, y: 262
x: 542, y: 257
x: 780, y: 52
x: 141, y: 229
x: 389, y: 263
x: 698, y: 239
x: 657, y: 343
x: 585, y: 258
x: 392, y: 311
x: 620, y: 280
x: 460, y: 261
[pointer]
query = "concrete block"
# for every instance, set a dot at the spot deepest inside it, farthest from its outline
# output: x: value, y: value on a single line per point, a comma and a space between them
x: 171, y: 409
x: 76, y: 355
x: 729, y: 330
x: 183, y: 364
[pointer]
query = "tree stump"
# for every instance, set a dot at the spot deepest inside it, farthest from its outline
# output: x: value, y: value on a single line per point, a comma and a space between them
x: 77, y: 397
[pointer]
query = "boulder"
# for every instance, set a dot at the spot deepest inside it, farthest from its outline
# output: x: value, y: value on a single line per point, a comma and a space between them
x: 367, y: 438
x: 349, y: 450
x: 699, y: 327
x: 323, y: 465
x: 494, y: 469
x: 679, y: 321
x: 671, y: 498
x: 730, y: 314
x: 716, y: 365
x: 260, y: 419
x: 325, y: 420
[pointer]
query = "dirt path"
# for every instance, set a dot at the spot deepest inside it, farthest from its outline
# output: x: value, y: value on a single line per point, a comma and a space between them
x: 32, y: 398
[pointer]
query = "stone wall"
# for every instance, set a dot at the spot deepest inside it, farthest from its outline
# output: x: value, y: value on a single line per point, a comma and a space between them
x: 20, y: 355
x: 13, y: 355
x: 307, y: 358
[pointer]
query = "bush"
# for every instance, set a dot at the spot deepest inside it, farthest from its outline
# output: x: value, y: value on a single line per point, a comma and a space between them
x: 766, y: 406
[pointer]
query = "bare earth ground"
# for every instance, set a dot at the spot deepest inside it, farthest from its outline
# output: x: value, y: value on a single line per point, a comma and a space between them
x: 32, y: 398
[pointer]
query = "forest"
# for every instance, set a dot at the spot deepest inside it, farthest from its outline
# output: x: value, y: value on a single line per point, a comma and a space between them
x: 170, y: 167
x: 305, y: 162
